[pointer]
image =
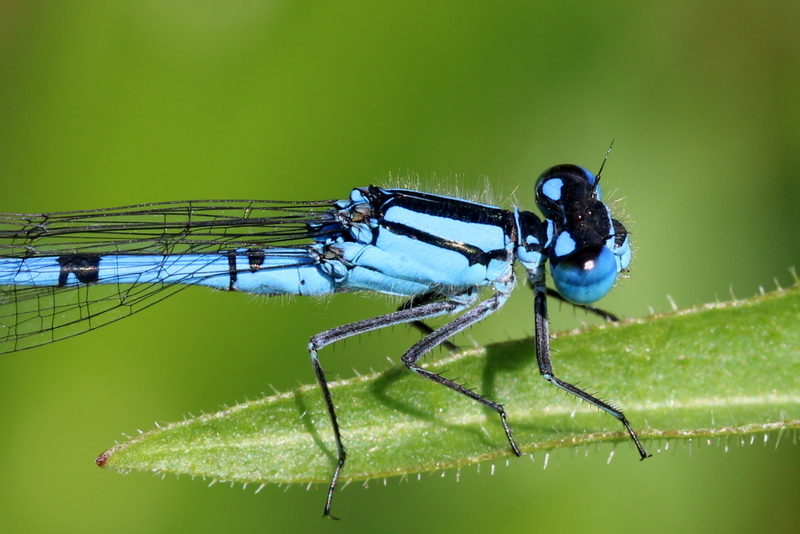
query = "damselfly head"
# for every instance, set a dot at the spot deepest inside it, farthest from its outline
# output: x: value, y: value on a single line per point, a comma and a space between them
x: 586, y: 252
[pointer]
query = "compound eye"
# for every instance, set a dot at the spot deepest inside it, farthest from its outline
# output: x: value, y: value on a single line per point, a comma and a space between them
x: 585, y: 276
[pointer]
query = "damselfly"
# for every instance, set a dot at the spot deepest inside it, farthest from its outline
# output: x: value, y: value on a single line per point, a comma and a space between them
x: 63, y: 274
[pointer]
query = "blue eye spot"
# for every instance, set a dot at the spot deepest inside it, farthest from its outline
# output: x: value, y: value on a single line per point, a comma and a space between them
x: 552, y: 189
x: 565, y: 245
x: 586, y: 276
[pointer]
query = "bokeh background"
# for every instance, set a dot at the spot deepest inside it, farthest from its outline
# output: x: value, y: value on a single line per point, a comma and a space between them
x: 114, y: 104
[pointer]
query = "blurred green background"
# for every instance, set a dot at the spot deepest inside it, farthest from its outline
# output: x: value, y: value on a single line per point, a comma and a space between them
x: 104, y: 105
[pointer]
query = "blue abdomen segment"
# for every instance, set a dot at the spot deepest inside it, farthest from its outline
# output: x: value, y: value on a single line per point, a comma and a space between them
x: 293, y: 271
x: 284, y: 272
x: 395, y: 265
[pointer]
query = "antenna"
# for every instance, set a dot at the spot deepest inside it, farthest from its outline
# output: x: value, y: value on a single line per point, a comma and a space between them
x: 597, y: 180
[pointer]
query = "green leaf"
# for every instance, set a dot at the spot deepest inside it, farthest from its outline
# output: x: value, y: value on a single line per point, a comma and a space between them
x: 716, y: 370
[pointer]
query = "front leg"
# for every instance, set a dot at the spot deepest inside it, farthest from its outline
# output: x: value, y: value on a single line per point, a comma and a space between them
x: 546, y: 367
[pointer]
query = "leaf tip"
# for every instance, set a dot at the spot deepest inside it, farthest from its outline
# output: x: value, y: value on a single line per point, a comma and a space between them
x: 101, y: 460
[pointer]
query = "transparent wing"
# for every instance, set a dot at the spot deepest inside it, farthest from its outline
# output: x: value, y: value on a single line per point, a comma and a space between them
x: 36, y: 315
x: 193, y: 227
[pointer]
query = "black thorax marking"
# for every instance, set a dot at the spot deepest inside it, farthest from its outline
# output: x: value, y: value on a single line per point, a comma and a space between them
x: 472, y: 253
x: 447, y: 208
